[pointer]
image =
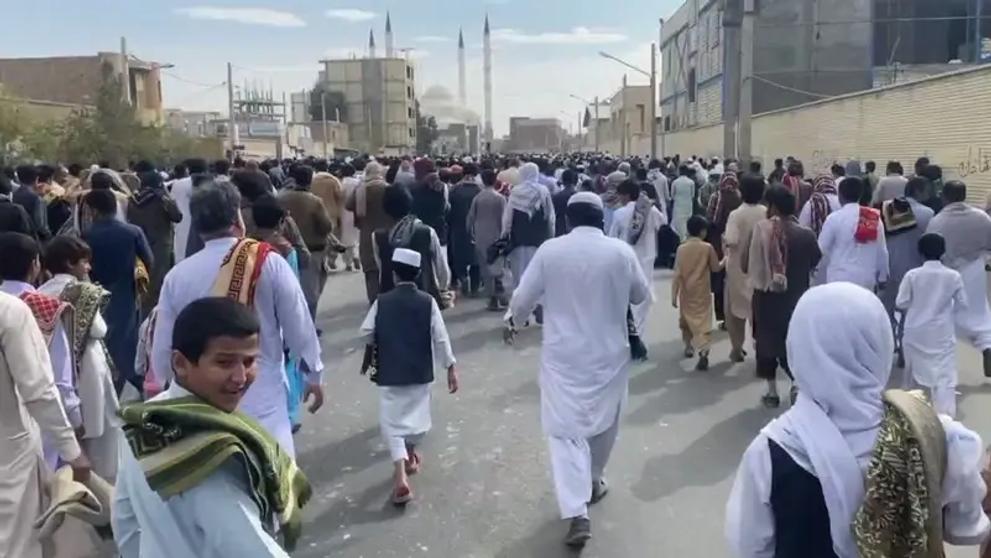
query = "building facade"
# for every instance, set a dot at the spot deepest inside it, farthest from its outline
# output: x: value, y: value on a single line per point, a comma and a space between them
x: 629, y: 120
x: 76, y: 80
x: 808, y: 50
x: 380, y: 102
x: 535, y: 135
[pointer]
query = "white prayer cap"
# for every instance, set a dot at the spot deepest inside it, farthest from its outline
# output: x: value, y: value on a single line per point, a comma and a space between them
x: 590, y: 198
x: 406, y: 256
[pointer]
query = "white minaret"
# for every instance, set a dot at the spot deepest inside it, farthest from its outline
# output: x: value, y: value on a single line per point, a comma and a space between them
x: 371, y: 43
x: 462, y: 83
x: 388, y: 36
x: 487, y: 70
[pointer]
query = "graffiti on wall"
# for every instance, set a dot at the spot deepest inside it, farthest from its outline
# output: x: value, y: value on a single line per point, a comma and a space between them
x: 977, y: 161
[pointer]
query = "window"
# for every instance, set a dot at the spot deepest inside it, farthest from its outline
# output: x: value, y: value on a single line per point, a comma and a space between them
x: 692, y: 85
x: 409, y: 112
x: 411, y: 132
x: 718, y: 18
x: 667, y: 123
x: 409, y: 91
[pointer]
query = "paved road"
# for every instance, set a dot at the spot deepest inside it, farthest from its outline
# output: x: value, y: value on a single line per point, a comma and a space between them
x: 485, y: 491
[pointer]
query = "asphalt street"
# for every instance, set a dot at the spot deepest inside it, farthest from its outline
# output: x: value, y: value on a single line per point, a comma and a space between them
x: 485, y: 489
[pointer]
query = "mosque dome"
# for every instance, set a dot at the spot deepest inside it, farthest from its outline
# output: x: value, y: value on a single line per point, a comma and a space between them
x: 437, y: 101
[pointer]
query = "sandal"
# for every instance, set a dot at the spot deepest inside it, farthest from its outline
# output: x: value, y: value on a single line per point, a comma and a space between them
x: 770, y: 401
x: 413, y: 463
x: 402, y: 496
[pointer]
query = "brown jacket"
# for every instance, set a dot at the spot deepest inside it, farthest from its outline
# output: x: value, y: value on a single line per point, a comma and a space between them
x: 370, y: 218
x: 328, y: 188
x: 310, y: 215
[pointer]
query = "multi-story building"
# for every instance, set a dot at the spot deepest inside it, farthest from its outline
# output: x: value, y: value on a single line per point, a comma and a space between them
x: 197, y: 124
x: 629, y: 120
x: 76, y: 80
x: 807, y: 50
x: 535, y: 135
x: 379, y: 99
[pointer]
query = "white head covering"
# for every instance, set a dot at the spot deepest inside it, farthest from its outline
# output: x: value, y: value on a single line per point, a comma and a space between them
x: 590, y: 198
x: 840, y: 348
x: 526, y: 196
x: 406, y: 256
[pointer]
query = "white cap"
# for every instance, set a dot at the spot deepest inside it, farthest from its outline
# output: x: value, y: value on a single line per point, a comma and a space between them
x: 406, y: 256
x: 590, y: 198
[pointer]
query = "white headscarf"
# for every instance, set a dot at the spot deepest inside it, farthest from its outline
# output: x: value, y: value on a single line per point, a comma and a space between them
x: 526, y: 196
x: 840, y: 348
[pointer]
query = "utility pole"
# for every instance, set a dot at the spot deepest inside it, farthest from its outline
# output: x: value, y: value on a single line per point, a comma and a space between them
x: 746, y: 82
x: 732, y: 47
x: 596, y: 124
x: 323, y: 118
x: 653, y: 101
x: 232, y: 122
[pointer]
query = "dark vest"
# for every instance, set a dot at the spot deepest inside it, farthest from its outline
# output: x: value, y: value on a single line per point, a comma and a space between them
x: 529, y: 230
x: 402, y: 337
x: 420, y: 242
x: 801, y: 519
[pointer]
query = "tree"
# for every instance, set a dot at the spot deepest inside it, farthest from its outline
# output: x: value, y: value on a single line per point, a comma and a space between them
x: 426, y: 131
x: 336, y: 106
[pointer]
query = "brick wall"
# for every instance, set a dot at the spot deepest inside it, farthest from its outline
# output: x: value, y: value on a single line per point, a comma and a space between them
x: 946, y: 117
x: 64, y: 80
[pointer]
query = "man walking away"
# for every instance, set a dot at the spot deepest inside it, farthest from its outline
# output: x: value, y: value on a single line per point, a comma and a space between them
x: 967, y: 231
x: 586, y: 282
x: 315, y: 225
x: 569, y: 181
x: 852, y: 240
x: 485, y: 228
x: 27, y: 197
x: 464, y: 262
x: 778, y: 262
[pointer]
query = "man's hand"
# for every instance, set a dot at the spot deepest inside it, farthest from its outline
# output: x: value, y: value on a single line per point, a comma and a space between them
x: 452, y: 380
x: 315, y: 392
x: 81, y: 468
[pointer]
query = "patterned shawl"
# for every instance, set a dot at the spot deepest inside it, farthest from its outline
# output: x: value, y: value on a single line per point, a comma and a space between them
x: 641, y: 212
x: 88, y: 300
x: 776, y: 259
x: 726, y: 199
x: 240, y: 270
x: 49, y: 312
x: 822, y: 187
x: 794, y: 185
x: 180, y: 442
x: 902, y: 512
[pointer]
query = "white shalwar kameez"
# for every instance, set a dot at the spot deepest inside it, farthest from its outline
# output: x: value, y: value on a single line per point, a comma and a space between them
x: 60, y: 358
x: 28, y: 400
x: 930, y: 296
x: 285, y: 321
x: 840, y: 347
x: 404, y: 411
x: 860, y: 263
x: 585, y: 281
x: 97, y: 394
x: 646, y: 251
x: 182, y: 191
x: 974, y: 321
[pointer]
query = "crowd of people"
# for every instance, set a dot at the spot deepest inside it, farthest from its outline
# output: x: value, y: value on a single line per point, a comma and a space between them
x: 192, y: 293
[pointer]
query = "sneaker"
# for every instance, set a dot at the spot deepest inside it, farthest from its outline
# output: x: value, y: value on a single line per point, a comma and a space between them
x: 737, y: 356
x: 599, y: 491
x: 689, y: 352
x: 579, y: 533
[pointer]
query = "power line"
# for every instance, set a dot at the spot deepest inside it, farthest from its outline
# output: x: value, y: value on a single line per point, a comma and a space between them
x: 193, y: 82
x: 792, y: 89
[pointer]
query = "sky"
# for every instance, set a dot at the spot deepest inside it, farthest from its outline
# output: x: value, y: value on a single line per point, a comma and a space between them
x: 543, y: 50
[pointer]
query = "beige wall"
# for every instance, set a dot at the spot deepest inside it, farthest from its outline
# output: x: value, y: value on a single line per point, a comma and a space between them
x: 947, y: 118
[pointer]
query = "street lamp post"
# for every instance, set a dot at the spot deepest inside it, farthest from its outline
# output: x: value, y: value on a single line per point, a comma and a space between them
x: 595, y: 104
x: 652, y: 75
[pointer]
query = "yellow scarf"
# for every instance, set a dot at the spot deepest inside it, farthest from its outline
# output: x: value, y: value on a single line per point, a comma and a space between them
x: 240, y: 270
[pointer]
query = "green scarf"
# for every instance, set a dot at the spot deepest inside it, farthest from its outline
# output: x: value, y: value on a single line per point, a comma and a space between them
x: 180, y: 442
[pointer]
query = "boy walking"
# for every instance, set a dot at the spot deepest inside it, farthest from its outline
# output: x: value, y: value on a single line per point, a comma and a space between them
x: 930, y: 296
x: 691, y: 291
x: 405, y: 334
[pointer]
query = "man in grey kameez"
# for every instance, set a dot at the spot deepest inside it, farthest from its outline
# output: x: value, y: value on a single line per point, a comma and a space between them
x: 903, y: 247
x: 485, y: 227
